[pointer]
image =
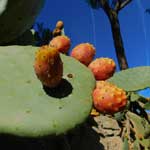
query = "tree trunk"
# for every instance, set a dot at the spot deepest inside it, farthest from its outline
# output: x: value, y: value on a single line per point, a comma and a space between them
x: 117, y: 38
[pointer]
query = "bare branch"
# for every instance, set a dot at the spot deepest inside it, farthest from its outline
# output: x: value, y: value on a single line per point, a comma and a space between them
x: 122, y: 4
x: 117, y: 6
x: 104, y: 3
x: 105, y: 6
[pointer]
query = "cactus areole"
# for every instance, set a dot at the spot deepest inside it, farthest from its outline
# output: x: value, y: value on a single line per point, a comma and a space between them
x: 16, y: 16
x: 26, y: 110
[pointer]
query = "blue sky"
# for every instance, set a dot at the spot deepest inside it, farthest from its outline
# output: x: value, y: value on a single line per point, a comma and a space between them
x: 83, y: 24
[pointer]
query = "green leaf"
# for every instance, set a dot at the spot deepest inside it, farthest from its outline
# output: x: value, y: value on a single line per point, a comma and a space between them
x: 119, y: 116
x: 26, y: 109
x: 145, y: 143
x: 125, y: 144
x: 136, y: 145
x: 134, y: 97
x: 147, y: 106
x: 132, y: 79
x: 140, y: 125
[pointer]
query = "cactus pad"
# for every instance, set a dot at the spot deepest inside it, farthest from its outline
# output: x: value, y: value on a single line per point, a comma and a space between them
x: 26, y: 109
x: 17, y: 16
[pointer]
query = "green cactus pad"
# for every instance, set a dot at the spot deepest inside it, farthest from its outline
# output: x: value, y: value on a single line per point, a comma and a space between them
x: 16, y: 16
x: 132, y: 79
x: 25, y: 108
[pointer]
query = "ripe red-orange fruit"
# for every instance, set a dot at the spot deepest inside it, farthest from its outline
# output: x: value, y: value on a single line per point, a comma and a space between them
x: 61, y: 42
x: 84, y: 53
x: 102, y: 68
x: 108, y: 98
x: 103, y: 84
x: 48, y: 66
x: 59, y: 24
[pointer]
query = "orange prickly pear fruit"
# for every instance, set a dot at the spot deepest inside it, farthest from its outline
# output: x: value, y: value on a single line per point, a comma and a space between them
x: 102, y: 68
x: 102, y: 84
x: 108, y: 98
x: 61, y: 42
x: 59, y: 24
x: 84, y: 53
x: 48, y: 66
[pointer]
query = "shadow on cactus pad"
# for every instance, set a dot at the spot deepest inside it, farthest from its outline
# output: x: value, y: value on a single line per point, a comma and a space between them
x: 25, y: 108
x: 62, y: 90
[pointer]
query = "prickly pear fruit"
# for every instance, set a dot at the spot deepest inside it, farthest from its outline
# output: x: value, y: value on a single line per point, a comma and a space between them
x: 108, y: 98
x: 48, y: 66
x: 102, y: 68
x: 59, y: 24
x: 102, y: 84
x: 62, y: 43
x: 84, y: 52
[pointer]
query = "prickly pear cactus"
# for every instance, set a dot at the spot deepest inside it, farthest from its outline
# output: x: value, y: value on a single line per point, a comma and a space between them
x: 17, y: 16
x: 26, y: 109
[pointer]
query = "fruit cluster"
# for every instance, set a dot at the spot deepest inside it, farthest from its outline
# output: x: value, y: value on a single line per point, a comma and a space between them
x: 107, y: 98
